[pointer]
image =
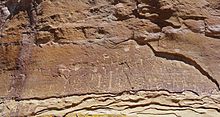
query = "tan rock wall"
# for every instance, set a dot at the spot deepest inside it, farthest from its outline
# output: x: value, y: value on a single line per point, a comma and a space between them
x: 109, y: 57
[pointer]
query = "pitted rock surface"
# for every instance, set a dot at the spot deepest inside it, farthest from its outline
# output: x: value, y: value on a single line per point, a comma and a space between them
x: 109, y: 57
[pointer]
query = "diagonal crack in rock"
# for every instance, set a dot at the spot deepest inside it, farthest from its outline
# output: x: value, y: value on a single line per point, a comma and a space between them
x: 182, y: 58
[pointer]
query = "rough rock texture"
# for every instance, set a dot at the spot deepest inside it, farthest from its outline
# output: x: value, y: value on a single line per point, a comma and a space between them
x: 110, y: 58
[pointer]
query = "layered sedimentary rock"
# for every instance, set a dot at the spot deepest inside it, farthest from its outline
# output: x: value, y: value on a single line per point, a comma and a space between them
x: 110, y: 58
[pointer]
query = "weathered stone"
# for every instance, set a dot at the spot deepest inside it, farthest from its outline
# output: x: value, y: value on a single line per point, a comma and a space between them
x: 109, y: 58
x: 213, y: 27
x: 197, y: 26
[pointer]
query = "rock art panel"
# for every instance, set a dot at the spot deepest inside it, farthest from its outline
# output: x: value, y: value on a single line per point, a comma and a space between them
x: 109, y: 58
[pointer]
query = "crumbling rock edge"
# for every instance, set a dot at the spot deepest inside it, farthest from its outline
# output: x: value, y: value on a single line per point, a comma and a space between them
x: 162, y: 102
x: 126, y: 102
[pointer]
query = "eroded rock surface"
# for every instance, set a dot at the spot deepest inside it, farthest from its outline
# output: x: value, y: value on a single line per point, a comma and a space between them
x: 115, y: 57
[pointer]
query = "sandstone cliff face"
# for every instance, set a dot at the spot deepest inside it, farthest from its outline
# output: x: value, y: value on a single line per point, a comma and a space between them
x: 110, y: 58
